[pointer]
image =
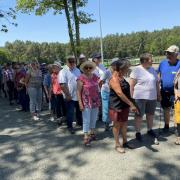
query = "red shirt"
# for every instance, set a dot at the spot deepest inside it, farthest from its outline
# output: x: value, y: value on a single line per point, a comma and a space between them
x: 56, y: 89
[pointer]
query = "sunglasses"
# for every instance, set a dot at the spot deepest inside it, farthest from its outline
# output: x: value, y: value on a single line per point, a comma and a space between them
x: 71, y: 62
x: 169, y: 53
x: 88, y: 67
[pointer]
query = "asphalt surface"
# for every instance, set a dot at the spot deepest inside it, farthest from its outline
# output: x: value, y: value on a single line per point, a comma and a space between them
x: 40, y: 150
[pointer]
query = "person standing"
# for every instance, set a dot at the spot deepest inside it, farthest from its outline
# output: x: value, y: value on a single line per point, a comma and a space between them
x: 144, y: 86
x: 99, y: 71
x: 120, y: 102
x: 89, y: 101
x: 34, y: 87
x: 177, y: 106
x: 9, y: 81
x: 82, y: 58
x: 167, y: 71
x: 56, y: 93
x: 67, y: 78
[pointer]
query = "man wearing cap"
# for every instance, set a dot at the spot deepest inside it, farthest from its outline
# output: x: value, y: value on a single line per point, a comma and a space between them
x: 82, y: 58
x: 68, y: 81
x: 167, y: 71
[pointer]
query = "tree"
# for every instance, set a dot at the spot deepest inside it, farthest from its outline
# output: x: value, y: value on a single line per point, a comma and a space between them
x: 7, y: 16
x: 74, y: 16
x: 4, y: 56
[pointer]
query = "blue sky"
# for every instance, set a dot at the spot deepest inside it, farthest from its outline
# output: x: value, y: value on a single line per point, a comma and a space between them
x: 118, y: 16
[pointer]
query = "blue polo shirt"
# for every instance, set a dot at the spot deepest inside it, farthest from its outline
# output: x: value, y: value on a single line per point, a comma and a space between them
x: 167, y: 74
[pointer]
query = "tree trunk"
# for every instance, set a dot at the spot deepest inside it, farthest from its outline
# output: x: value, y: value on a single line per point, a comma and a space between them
x: 70, y: 28
x: 77, y: 32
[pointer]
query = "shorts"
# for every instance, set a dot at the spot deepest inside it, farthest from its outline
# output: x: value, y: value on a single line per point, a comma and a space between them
x: 145, y: 106
x: 120, y: 116
x: 167, y: 99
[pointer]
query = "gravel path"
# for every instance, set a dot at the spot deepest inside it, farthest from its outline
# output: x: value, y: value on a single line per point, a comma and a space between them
x: 40, y: 150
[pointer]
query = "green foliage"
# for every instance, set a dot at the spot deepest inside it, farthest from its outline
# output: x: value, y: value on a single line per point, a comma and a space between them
x: 4, y: 56
x: 70, y: 8
x: 7, y: 17
x: 121, y: 45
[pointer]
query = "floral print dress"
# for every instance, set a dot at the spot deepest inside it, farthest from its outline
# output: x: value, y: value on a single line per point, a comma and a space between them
x: 90, y: 91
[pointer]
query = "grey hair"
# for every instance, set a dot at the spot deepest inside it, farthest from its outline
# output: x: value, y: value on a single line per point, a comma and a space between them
x: 145, y: 57
x: 120, y: 64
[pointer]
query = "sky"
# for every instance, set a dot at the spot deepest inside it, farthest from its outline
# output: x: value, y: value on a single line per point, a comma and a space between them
x: 117, y: 16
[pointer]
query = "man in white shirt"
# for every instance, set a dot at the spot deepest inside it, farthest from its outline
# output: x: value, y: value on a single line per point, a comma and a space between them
x: 67, y: 78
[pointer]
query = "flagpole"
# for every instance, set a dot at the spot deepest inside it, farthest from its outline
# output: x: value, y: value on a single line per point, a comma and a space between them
x: 101, y: 38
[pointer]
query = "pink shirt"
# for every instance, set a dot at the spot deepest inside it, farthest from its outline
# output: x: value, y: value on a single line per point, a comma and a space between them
x: 56, y: 89
x: 90, y: 91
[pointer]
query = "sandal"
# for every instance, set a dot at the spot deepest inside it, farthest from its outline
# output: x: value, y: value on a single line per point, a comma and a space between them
x: 177, y: 142
x: 93, y: 137
x: 87, y: 141
x: 119, y: 149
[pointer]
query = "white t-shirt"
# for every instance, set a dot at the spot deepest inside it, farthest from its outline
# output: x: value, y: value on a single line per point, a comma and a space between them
x: 146, y: 79
x: 69, y: 77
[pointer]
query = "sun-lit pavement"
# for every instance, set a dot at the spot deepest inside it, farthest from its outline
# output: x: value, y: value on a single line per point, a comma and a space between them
x: 41, y: 150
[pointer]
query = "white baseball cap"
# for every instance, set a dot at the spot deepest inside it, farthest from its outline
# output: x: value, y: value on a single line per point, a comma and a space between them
x: 173, y: 49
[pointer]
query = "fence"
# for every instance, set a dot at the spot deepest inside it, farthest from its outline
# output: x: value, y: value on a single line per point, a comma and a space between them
x: 134, y: 61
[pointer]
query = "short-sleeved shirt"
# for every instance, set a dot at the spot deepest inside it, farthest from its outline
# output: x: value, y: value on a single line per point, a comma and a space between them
x: 47, y: 80
x: 105, y: 78
x: 56, y: 88
x: 90, y: 91
x: 146, y: 82
x: 69, y: 76
x: 167, y: 74
x: 100, y: 69
x: 35, y: 80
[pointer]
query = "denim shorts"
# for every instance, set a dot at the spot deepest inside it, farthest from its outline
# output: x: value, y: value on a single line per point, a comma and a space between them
x: 145, y: 106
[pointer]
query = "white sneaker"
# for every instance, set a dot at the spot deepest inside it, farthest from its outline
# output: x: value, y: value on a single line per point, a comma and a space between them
x: 52, y: 119
x: 35, y: 118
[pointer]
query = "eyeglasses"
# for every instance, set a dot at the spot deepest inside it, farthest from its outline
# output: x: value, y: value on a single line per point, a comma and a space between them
x: 88, y: 67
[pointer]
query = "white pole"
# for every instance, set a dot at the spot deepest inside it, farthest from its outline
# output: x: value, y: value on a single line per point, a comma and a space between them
x: 101, y: 40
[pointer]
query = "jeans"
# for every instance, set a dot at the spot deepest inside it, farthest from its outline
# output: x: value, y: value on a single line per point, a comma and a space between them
x: 105, y: 106
x: 89, y: 119
x: 10, y: 86
x: 70, y: 107
x: 24, y: 99
x: 35, y: 95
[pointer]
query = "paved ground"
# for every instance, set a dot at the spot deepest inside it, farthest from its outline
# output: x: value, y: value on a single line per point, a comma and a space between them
x: 40, y: 150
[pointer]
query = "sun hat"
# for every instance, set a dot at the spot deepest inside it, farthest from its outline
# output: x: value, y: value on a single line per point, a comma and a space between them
x: 87, y: 63
x: 172, y: 49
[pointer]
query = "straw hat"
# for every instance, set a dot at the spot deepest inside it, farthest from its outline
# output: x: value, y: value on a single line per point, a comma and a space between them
x: 87, y: 63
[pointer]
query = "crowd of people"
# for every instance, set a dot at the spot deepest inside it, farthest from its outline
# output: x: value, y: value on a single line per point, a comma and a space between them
x: 87, y: 91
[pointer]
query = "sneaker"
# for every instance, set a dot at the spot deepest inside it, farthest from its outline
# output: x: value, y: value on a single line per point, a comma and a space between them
x: 35, y: 118
x: 106, y: 127
x: 71, y: 130
x: 138, y: 136
x: 52, y: 119
x: 152, y: 133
